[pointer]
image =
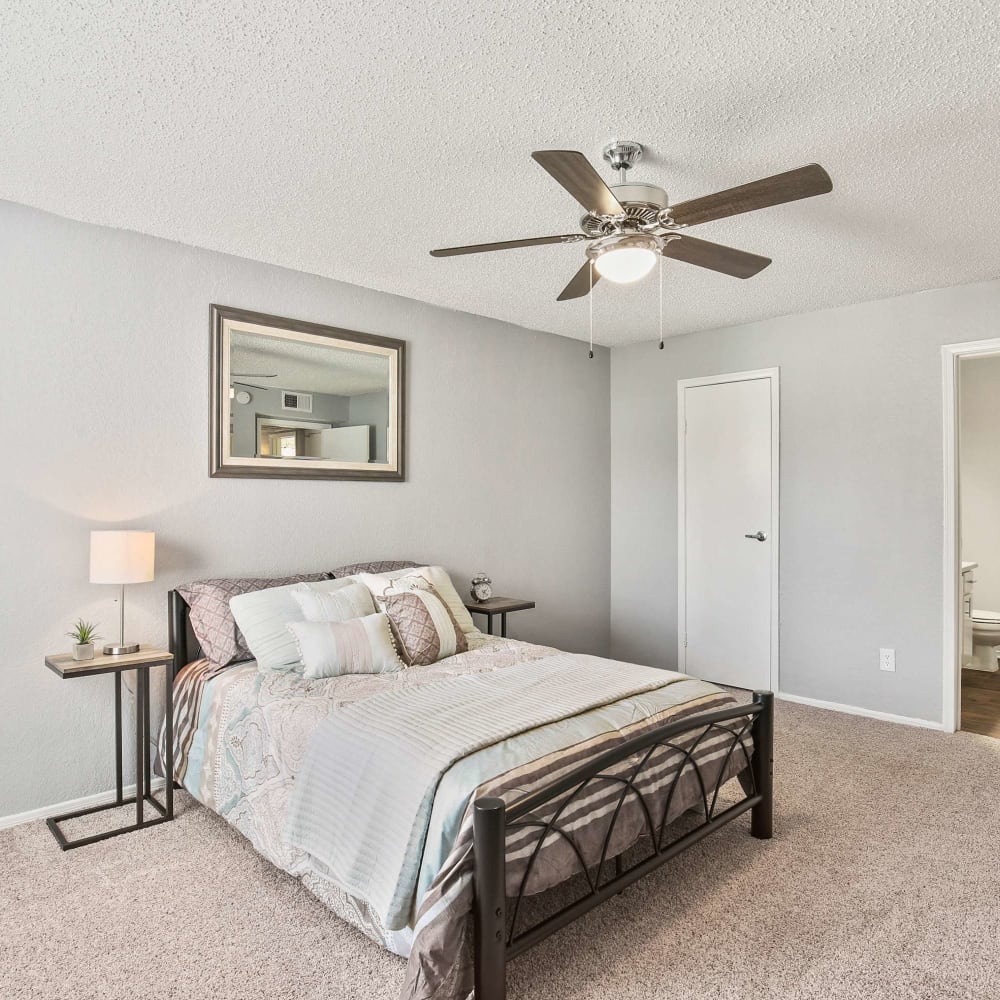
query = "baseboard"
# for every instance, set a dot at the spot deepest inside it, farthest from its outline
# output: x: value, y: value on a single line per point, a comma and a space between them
x: 832, y: 706
x: 72, y: 805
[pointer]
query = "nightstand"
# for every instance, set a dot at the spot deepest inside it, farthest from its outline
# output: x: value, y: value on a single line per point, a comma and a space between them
x: 501, y: 606
x: 142, y: 662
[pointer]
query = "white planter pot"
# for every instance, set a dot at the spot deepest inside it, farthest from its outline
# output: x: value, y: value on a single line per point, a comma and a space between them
x: 83, y: 651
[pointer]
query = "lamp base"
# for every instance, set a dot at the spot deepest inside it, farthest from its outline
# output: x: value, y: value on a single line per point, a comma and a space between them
x: 121, y: 649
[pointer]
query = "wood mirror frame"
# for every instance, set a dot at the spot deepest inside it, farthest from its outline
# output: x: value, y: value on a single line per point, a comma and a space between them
x: 223, y: 463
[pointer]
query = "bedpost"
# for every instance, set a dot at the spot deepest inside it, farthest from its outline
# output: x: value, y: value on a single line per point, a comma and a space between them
x: 177, y: 629
x: 489, y: 843
x: 761, y: 822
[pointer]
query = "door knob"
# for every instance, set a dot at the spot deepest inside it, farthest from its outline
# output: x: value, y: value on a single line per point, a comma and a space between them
x: 760, y: 536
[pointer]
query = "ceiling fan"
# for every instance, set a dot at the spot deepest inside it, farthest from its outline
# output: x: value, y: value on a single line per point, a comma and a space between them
x: 629, y: 225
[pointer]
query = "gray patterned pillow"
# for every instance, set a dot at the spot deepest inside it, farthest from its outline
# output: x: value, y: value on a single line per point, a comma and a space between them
x: 212, y: 620
x: 386, y: 566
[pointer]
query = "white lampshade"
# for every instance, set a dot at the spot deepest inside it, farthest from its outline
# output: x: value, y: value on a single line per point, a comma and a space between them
x: 122, y: 556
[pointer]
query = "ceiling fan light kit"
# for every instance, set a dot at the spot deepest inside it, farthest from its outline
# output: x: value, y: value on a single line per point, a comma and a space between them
x: 630, y: 226
x: 624, y: 258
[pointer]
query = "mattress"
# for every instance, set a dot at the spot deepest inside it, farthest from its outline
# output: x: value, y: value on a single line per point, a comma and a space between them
x: 242, y: 736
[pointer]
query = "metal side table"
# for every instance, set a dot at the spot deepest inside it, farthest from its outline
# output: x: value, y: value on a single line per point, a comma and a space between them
x: 142, y: 663
x: 501, y: 606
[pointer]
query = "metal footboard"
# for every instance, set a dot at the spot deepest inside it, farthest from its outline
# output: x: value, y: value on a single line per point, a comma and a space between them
x: 498, y: 939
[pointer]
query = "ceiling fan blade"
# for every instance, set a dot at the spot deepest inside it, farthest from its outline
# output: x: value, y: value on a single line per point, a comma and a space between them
x: 805, y: 182
x: 574, y: 172
x: 536, y: 241
x: 580, y: 284
x: 715, y: 257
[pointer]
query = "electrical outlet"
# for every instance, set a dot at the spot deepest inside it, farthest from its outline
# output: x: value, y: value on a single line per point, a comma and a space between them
x: 887, y: 660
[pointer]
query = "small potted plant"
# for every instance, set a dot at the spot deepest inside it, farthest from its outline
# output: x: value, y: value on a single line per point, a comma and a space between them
x: 84, y: 634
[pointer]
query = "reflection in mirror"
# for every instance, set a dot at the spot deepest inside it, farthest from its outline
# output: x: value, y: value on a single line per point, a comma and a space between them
x: 305, y: 400
x: 294, y: 400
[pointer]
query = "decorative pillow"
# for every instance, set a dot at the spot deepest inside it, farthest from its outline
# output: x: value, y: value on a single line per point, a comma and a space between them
x: 263, y: 616
x: 385, y: 566
x: 351, y: 601
x: 424, y: 628
x: 212, y: 620
x: 360, y: 646
x: 437, y: 577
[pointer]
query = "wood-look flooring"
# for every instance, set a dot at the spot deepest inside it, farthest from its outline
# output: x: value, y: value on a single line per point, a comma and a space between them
x: 981, y: 702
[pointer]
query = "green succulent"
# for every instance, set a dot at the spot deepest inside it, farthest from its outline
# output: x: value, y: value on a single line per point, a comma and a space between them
x: 83, y: 632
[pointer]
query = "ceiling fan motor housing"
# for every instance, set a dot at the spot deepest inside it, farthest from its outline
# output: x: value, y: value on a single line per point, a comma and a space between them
x: 643, y: 204
x: 640, y: 194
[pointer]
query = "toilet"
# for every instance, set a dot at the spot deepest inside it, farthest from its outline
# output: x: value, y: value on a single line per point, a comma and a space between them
x: 980, y: 629
x: 985, y: 640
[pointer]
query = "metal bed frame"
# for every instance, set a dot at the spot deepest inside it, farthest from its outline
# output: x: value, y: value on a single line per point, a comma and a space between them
x: 498, y: 938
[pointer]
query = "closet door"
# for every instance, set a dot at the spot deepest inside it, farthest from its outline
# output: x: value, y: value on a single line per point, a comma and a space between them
x: 727, y: 478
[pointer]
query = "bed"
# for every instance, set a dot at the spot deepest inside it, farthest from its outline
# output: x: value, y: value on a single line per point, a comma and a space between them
x: 576, y: 777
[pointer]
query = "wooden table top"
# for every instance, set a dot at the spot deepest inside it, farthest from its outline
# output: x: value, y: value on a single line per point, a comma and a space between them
x: 148, y: 656
x: 499, y: 605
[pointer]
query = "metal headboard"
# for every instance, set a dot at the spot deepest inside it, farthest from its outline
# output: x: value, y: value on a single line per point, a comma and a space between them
x: 182, y: 641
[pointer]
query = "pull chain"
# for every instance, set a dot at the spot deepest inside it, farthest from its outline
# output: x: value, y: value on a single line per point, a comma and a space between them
x: 591, y: 297
x: 660, y: 278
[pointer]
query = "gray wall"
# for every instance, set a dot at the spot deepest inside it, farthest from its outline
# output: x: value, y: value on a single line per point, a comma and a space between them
x: 372, y: 408
x: 861, y: 489
x: 980, y: 476
x: 105, y: 407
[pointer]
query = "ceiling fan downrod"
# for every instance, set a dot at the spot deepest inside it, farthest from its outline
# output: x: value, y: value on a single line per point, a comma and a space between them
x: 623, y: 155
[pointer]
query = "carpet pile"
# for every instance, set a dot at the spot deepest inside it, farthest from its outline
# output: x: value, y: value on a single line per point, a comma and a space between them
x: 882, y: 883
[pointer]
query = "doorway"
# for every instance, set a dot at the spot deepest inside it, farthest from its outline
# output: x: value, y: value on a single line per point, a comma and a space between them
x: 727, y: 475
x: 971, y: 694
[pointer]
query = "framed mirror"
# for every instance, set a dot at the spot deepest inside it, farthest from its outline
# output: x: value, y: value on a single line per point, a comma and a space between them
x: 295, y: 400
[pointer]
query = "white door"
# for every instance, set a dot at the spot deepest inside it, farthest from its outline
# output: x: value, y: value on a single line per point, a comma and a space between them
x: 728, y: 461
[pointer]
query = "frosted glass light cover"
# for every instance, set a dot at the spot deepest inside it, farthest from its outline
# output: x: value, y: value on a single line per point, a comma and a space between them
x: 625, y: 264
x: 122, y: 556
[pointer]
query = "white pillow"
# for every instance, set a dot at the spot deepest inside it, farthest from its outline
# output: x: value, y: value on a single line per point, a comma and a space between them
x: 354, y: 601
x: 263, y: 616
x: 437, y: 577
x: 360, y: 646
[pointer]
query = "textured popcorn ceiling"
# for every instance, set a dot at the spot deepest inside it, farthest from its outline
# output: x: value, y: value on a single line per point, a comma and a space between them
x: 349, y: 139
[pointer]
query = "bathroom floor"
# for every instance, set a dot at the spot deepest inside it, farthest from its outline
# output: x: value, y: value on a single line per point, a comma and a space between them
x: 981, y: 702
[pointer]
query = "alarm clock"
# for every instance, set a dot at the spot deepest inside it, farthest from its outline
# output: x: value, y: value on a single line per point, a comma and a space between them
x: 481, y: 587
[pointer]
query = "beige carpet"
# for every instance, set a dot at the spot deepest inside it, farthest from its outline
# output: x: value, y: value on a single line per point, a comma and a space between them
x: 883, y: 882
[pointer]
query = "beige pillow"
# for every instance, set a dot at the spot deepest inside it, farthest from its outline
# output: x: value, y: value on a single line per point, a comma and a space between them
x: 351, y: 601
x: 360, y: 646
x: 437, y: 577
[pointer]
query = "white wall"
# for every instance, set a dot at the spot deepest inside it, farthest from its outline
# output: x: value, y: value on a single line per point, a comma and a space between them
x: 861, y: 489
x: 980, y: 475
x: 104, y: 409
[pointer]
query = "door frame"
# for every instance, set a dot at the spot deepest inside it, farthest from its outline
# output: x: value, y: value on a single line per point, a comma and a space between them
x: 951, y: 357
x: 774, y: 376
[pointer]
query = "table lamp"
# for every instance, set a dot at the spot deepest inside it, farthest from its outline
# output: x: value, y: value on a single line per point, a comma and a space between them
x: 121, y: 557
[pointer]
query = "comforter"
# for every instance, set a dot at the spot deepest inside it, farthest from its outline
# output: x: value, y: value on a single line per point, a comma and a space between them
x: 257, y: 748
